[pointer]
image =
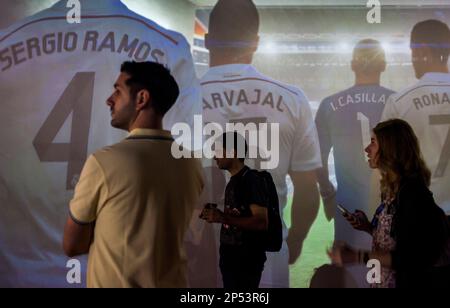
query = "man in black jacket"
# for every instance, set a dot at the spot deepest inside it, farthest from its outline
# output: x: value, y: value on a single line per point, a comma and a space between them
x: 244, y: 220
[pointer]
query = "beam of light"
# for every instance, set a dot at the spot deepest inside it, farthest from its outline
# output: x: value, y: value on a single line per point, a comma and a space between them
x: 344, y: 47
x: 268, y: 47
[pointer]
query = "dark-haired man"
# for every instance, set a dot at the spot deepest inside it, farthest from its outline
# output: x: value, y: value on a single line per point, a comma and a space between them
x: 134, y: 201
x: 244, y: 220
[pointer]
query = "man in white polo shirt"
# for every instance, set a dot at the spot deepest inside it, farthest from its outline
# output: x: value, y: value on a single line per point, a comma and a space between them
x: 426, y: 105
x: 54, y: 78
x: 235, y: 92
x: 134, y: 201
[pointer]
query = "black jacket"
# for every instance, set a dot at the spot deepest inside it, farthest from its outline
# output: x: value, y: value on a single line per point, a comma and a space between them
x: 421, y: 231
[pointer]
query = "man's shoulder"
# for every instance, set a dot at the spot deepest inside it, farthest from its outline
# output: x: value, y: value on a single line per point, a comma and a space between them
x: 290, y: 90
x: 252, y: 75
x: 167, y: 35
x: 336, y: 95
x: 171, y: 35
x: 326, y: 103
x: 255, y: 177
x: 58, y: 12
x: 120, y: 148
x: 387, y: 91
x: 107, y: 151
x: 405, y: 93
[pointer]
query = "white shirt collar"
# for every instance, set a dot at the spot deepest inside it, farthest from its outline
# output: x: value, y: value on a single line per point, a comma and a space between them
x: 230, y: 69
x: 435, y: 77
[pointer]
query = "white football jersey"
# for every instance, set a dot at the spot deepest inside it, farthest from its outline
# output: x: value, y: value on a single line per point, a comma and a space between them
x: 238, y: 93
x: 426, y: 107
x: 55, y: 78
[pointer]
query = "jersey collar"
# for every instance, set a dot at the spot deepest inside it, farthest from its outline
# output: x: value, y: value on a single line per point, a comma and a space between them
x: 436, y: 77
x: 231, y: 70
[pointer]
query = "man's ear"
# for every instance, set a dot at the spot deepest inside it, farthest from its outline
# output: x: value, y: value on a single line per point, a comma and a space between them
x: 257, y: 40
x: 423, y: 54
x: 256, y: 44
x: 354, y: 65
x: 383, y: 66
x: 143, y: 99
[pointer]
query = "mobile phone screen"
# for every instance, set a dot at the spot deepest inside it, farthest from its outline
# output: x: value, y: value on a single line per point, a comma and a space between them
x: 343, y: 209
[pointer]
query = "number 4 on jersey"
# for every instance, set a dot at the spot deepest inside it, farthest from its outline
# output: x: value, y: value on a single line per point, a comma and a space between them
x: 76, y: 100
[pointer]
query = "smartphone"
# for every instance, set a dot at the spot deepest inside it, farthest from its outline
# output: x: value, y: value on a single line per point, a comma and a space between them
x: 343, y: 210
x: 208, y: 206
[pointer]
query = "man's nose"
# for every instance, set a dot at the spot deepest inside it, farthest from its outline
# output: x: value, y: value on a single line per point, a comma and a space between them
x: 109, y: 102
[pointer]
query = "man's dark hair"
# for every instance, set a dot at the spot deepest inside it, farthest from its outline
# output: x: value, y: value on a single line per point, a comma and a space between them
x: 239, y: 144
x: 233, y: 24
x: 433, y: 34
x: 154, y: 78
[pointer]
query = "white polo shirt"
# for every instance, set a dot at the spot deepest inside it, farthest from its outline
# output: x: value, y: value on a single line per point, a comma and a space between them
x: 426, y: 107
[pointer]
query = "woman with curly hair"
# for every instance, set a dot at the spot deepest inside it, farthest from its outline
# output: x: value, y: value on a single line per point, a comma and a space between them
x: 410, y: 232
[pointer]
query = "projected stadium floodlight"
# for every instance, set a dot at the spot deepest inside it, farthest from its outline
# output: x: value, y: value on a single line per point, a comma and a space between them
x: 387, y: 47
x: 268, y: 47
x: 344, y: 47
x: 404, y: 47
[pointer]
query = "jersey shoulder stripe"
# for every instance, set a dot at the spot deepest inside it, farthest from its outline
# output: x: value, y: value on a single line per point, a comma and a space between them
x: 151, y: 27
x: 336, y: 95
x: 409, y: 91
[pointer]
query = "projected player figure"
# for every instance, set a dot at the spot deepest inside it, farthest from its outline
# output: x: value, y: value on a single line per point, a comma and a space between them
x: 426, y: 105
x: 344, y: 122
x: 54, y: 78
x: 234, y: 91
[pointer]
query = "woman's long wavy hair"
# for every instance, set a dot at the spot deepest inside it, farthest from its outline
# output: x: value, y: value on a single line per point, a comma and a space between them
x: 399, y: 156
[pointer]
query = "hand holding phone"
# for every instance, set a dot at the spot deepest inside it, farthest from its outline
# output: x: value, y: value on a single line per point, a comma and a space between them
x: 358, y: 220
x: 208, y: 206
x: 343, y: 210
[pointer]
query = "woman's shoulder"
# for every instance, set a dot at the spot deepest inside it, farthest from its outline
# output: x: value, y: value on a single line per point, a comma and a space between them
x: 414, y: 184
x: 414, y: 193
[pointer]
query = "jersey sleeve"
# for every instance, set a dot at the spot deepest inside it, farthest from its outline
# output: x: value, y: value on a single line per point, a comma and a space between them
x: 390, y: 111
x: 189, y: 102
x: 323, y: 131
x: 90, y: 193
x: 306, y: 151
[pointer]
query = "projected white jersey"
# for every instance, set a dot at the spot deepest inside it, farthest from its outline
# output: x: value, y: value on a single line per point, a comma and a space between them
x: 238, y: 93
x: 55, y: 78
x: 426, y: 107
